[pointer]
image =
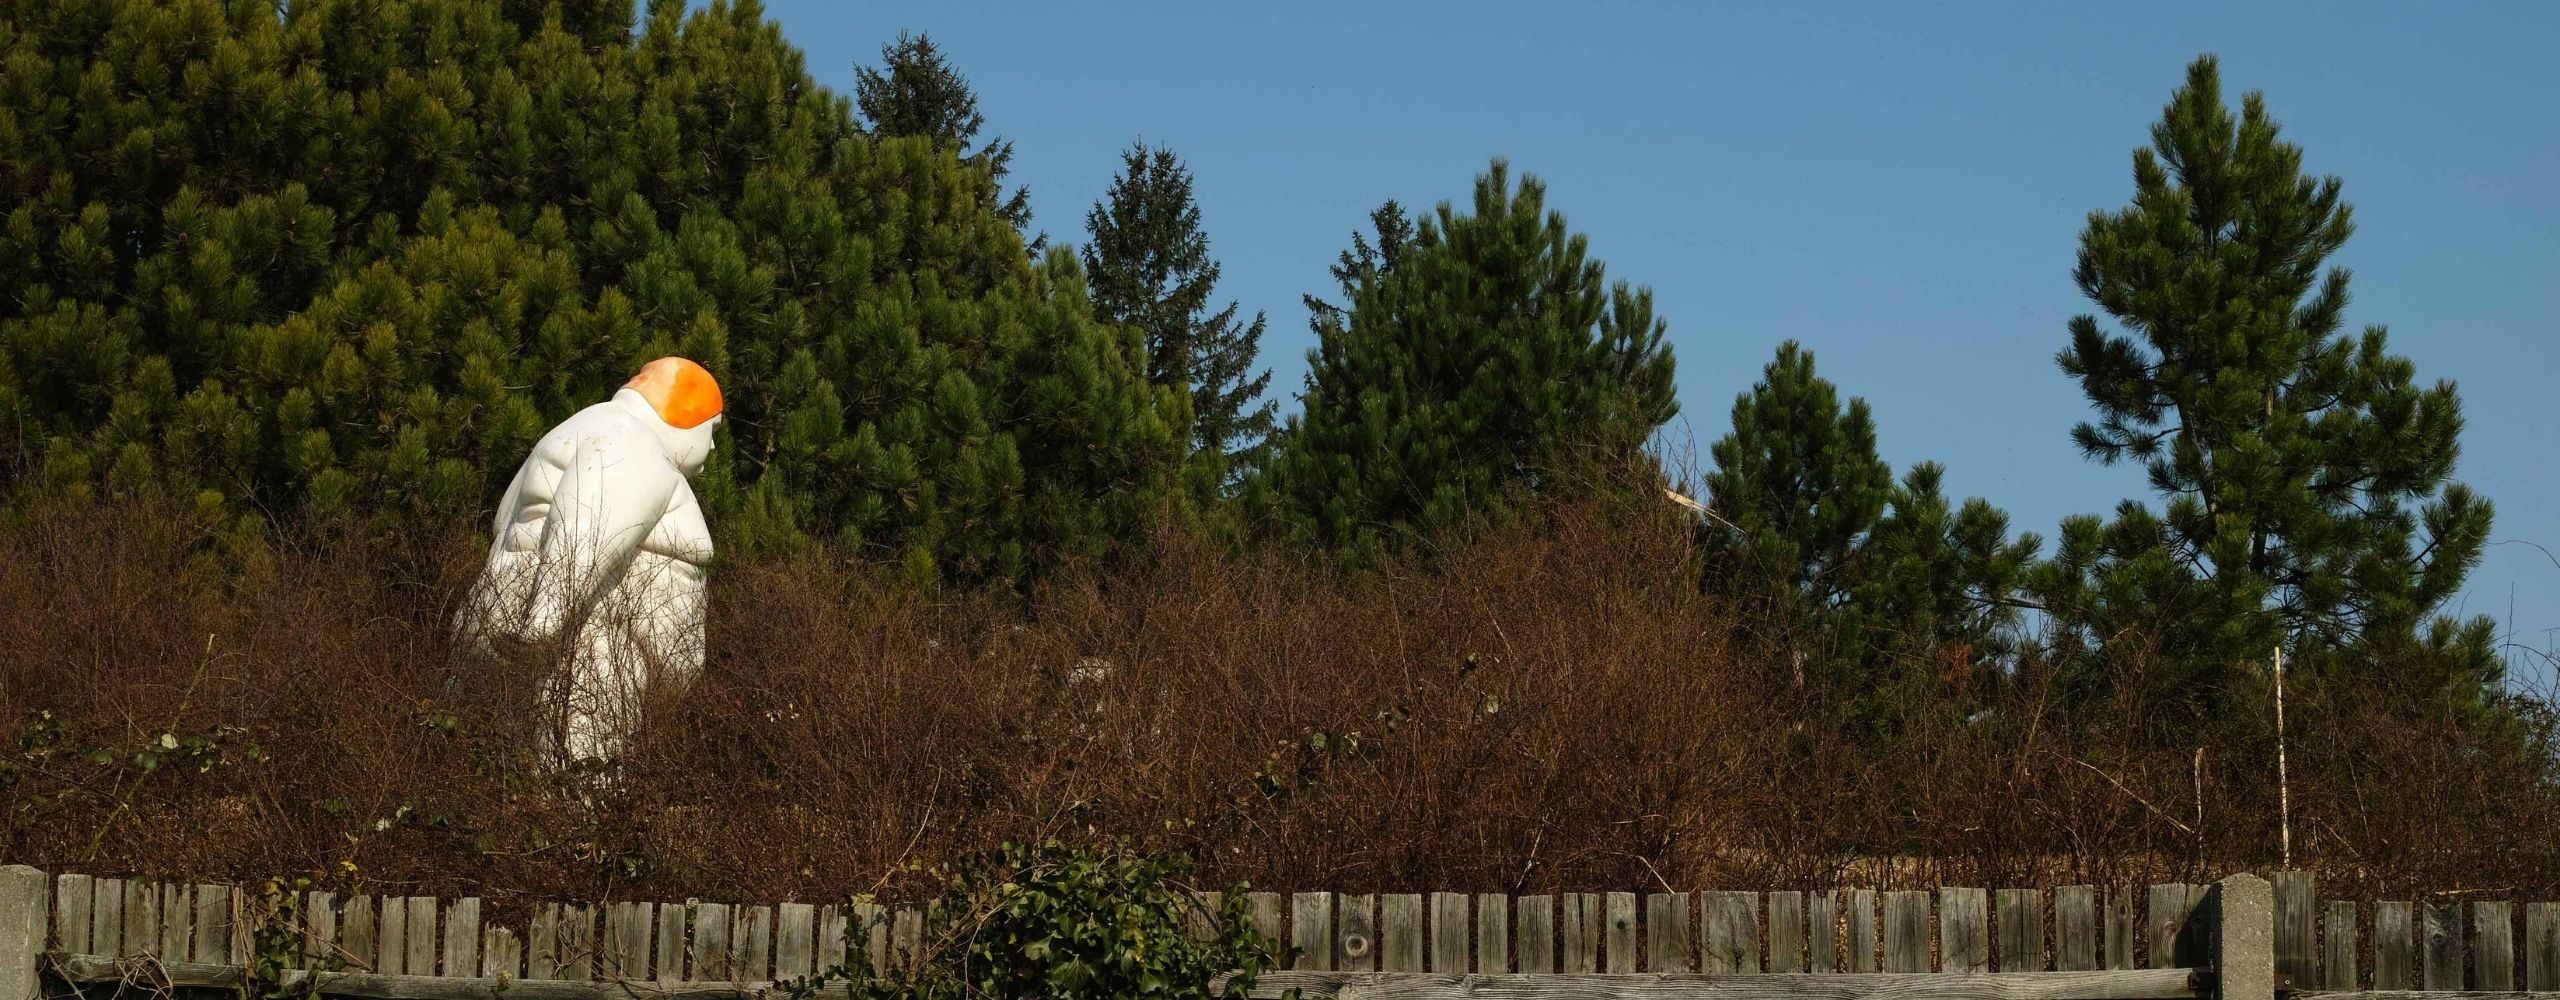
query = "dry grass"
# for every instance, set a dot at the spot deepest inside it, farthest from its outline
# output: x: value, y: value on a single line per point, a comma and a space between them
x: 1543, y: 709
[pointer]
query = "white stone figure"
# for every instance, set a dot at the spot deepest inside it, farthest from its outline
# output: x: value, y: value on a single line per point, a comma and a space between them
x: 598, y: 554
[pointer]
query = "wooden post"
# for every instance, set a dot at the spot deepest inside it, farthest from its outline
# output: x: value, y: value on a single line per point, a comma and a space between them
x: 2018, y: 928
x: 24, y: 897
x: 2244, y: 942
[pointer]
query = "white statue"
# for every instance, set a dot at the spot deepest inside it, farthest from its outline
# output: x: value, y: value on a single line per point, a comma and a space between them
x: 598, y: 554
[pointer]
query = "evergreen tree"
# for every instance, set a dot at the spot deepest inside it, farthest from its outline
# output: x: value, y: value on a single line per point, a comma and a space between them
x: 356, y: 279
x: 1149, y: 268
x: 1883, y: 592
x: 1364, y: 261
x: 916, y: 92
x: 2306, y: 477
x: 1798, y: 487
x: 1478, y: 361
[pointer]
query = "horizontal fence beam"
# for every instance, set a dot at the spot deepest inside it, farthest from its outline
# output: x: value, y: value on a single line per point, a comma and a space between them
x: 2127, y: 984
x: 146, y: 974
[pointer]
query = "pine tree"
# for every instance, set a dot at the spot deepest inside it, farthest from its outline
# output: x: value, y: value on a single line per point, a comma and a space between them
x: 355, y: 281
x: 1883, y: 593
x: 2306, y: 477
x: 1482, y: 359
x: 1149, y: 268
x: 1797, y: 487
x: 916, y: 92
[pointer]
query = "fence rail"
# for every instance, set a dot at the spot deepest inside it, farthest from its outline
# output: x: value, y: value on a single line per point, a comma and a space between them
x: 2066, y: 943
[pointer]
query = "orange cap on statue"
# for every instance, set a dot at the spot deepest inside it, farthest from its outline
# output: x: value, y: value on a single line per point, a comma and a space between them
x: 682, y: 392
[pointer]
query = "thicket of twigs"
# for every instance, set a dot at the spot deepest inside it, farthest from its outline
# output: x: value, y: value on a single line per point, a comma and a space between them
x: 1549, y: 708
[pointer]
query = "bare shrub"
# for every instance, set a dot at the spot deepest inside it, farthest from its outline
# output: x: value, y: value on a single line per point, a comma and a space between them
x: 1548, y: 707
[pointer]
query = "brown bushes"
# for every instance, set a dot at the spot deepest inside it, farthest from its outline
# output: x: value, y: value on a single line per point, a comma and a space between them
x: 1558, y: 708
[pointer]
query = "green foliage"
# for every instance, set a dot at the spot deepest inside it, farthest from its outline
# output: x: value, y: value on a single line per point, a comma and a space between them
x: 1887, y: 596
x: 348, y: 261
x: 1062, y: 922
x: 1485, y: 360
x: 276, y: 945
x: 917, y: 92
x: 2306, y: 476
x: 1149, y: 267
x: 1796, y: 489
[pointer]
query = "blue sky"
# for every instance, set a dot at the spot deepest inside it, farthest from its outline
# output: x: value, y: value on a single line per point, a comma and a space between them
x: 1900, y: 187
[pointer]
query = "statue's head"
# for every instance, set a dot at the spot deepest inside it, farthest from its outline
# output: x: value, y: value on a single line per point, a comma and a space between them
x: 687, y: 402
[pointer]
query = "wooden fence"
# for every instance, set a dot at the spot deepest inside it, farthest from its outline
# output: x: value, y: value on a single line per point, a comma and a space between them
x: 2069, y: 943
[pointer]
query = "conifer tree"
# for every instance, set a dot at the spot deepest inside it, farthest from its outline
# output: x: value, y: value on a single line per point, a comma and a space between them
x: 2305, y: 473
x: 917, y: 92
x: 1473, y: 364
x: 1364, y: 261
x: 1797, y: 487
x: 1149, y: 268
x: 1881, y: 589
x: 354, y: 280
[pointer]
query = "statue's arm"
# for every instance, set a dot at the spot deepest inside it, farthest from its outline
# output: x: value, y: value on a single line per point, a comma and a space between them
x: 613, y: 491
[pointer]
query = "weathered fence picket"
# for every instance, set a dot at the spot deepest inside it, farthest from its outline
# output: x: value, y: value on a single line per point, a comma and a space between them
x: 2295, y: 933
x: 1964, y: 931
x: 2391, y: 945
x: 1493, y: 933
x: 1666, y: 932
x: 1400, y: 932
x: 1311, y: 930
x: 1621, y: 939
x: 2441, y: 945
x: 2493, y: 944
x: 2075, y: 928
x: 1448, y: 932
x: 2542, y: 946
x: 1906, y: 931
x: 1732, y: 933
x: 1355, y: 938
x: 1786, y: 932
x: 2340, y: 955
x: 1822, y: 937
x: 1536, y: 924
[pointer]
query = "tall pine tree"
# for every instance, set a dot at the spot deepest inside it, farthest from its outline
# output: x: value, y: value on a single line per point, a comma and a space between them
x: 2306, y: 475
x: 915, y: 91
x: 1149, y: 268
x: 1482, y: 359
